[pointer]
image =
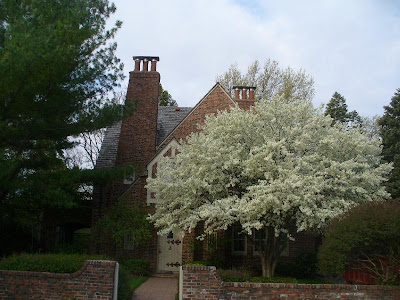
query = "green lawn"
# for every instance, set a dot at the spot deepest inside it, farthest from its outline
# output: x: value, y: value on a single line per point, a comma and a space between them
x: 135, y: 282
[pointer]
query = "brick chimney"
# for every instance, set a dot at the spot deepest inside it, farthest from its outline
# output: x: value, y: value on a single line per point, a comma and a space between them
x: 137, y: 142
x: 244, y: 96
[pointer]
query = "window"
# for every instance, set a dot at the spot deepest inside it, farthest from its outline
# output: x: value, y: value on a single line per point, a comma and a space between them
x: 260, y: 238
x: 129, y: 178
x: 212, y: 242
x: 129, y: 241
x: 238, y: 240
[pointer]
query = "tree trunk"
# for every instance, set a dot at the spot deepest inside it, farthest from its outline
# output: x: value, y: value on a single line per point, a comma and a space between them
x: 270, y: 255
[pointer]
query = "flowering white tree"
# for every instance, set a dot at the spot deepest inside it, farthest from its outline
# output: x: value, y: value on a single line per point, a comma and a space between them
x: 278, y: 166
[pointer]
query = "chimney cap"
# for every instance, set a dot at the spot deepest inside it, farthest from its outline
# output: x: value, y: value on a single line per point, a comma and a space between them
x: 240, y: 87
x: 150, y: 58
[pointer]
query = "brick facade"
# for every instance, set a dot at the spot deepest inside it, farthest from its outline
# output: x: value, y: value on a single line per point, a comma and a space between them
x: 204, y: 283
x: 216, y: 100
x: 95, y: 280
x: 137, y: 145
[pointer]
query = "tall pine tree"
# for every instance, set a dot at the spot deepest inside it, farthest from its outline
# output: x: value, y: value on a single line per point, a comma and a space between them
x: 165, y: 98
x: 390, y: 133
x: 57, y: 67
x: 337, y: 109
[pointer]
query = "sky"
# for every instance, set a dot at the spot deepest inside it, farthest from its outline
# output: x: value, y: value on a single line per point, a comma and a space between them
x: 348, y: 46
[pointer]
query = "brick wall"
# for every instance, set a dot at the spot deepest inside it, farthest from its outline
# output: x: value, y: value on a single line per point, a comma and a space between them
x: 204, y: 283
x: 95, y: 280
x: 216, y: 100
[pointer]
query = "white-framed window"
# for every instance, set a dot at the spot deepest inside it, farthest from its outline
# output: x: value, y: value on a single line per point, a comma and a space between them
x: 129, y: 241
x: 170, y: 148
x: 239, y: 246
x: 129, y: 176
x: 212, y: 241
x: 260, y: 238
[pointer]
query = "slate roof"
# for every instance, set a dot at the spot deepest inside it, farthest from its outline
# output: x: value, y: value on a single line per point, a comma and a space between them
x: 168, y: 118
x: 109, y: 147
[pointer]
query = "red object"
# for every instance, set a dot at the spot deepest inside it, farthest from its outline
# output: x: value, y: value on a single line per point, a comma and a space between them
x: 358, y: 277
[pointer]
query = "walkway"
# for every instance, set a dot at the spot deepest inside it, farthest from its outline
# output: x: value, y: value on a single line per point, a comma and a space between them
x: 157, y: 288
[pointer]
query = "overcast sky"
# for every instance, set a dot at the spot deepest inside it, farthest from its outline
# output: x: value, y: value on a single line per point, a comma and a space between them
x: 349, y: 46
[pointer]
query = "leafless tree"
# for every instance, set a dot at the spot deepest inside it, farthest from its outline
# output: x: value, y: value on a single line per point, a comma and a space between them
x: 88, y: 144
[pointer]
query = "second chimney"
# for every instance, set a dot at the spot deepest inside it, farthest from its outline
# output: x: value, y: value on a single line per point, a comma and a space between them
x: 241, y: 92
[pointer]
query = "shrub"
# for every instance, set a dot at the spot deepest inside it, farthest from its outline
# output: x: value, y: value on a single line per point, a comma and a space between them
x: 235, y: 275
x: 305, y: 266
x: 200, y: 263
x: 367, y: 237
x: 124, y: 290
x: 274, y: 279
x: 139, y: 267
x: 54, y: 263
x: 122, y: 220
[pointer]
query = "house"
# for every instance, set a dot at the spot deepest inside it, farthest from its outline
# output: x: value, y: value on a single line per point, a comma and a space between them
x: 141, y: 139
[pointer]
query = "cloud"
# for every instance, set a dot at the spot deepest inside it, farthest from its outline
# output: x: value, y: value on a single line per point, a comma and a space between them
x: 352, y: 47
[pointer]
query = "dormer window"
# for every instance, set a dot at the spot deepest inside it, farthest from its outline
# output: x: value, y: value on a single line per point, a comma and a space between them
x: 129, y: 177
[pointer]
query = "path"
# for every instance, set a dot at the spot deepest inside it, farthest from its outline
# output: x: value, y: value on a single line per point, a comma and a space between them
x: 157, y: 288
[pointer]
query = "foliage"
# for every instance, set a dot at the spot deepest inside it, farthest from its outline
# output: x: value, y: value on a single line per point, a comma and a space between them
x: 239, y: 275
x: 270, y: 81
x: 243, y: 275
x: 68, y: 263
x: 278, y: 166
x: 124, y: 289
x: 304, y: 266
x: 390, y: 132
x: 274, y: 279
x: 364, y: 237
x: 88, y: 144
x: 57, y: 67
x: 165, y: 99
x: 337, y: 109
x: 124, y: 219
x: 135, y: 282
x: 370, y: 125
x: 136, y: 266
x: 235, y: 275
x: 216, y: 244
x: 54, y: 263
x: 198, y: 263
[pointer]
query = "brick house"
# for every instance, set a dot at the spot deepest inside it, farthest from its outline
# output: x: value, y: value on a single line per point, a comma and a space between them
x: 141, y: 139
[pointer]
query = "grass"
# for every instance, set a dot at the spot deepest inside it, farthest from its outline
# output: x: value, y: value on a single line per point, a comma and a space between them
x: 135, y: 282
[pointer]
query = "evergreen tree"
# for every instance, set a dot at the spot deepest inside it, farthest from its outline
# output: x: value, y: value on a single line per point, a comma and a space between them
x: 390, y: 133
x: 165, y: 98
x: 57, y: 67
x: 337, y: 109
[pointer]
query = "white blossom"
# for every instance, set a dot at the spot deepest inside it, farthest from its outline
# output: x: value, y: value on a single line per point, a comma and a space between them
x: 280, y: 163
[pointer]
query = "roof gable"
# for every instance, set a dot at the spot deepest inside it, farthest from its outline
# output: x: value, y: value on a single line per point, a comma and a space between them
x: 217, y: 99
x: 172, y: 122
x: 168, y: 118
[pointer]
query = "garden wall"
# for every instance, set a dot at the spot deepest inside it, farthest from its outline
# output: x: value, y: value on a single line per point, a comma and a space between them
x: 199, y: 282
x: 97, y: 279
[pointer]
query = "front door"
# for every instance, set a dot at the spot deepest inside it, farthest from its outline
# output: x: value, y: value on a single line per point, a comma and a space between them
x: 169, y: 252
